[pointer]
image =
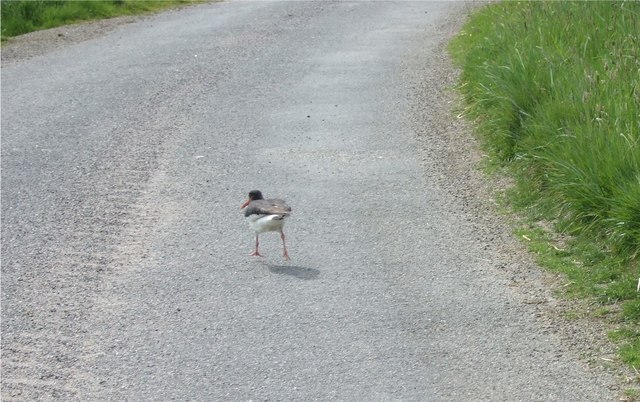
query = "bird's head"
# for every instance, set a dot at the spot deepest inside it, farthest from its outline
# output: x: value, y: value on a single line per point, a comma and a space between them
x: 253, y: 195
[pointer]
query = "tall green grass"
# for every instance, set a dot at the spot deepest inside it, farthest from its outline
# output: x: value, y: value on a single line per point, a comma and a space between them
x: 20, y: 17
x: 554, y: 88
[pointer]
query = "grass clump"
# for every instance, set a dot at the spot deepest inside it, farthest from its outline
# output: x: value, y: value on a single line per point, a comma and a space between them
x: 554, y: 88
x: 20, y: 17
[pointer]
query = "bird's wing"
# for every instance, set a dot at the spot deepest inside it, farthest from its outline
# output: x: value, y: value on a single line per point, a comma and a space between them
x: 268, y: 207
x: 277, y: 206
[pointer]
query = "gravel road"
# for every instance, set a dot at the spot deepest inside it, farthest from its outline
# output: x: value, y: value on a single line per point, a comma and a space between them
x: 127, y: 150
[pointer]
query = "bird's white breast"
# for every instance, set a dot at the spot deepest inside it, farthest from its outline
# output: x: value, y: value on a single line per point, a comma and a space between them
x: 266, y: 223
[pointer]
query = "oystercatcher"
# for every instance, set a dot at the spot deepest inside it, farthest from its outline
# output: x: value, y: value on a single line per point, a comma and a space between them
x: 266, y: 216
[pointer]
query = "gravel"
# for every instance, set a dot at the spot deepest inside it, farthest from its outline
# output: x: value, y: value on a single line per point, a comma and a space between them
x: 123, y: 281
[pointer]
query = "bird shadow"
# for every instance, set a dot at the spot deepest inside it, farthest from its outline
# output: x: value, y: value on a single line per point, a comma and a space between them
x: 295, y: 271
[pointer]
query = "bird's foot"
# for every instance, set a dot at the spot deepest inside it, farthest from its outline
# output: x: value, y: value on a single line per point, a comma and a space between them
x: 286, y: 257
x: 256, y: 254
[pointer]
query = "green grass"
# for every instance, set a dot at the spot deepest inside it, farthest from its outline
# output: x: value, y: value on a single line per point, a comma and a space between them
x: 631, y: 395
x: 554, y: 90
x: 20, y: 17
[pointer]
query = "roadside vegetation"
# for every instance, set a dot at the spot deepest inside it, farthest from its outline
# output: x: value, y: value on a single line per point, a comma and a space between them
x: 554, y: 91
x: 20, y: 17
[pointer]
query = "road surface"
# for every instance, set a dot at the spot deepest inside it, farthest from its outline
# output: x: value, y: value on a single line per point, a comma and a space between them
x: 126, y: 272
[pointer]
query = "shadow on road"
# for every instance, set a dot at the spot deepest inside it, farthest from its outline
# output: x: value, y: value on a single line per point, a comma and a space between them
x: 298, y: 272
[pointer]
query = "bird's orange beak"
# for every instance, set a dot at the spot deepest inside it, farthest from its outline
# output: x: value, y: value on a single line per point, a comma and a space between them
x: 246, y: 203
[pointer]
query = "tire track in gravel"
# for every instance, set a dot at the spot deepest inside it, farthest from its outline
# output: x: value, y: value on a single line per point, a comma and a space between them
x: 66, y: 271
x: 100, y: 230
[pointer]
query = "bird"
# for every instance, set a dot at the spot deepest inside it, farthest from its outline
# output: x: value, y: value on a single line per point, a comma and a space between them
x: 266, y: 215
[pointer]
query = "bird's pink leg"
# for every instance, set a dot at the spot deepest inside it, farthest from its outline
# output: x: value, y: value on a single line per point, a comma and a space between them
x: 256, y: 253
x: 286, y: 254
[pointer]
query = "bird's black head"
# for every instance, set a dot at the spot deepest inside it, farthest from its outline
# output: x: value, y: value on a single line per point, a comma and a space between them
x: 255, y: 195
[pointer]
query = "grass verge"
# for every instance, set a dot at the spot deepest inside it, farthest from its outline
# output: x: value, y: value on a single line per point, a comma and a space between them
x: 20, y: 17
x: 554, y: 90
